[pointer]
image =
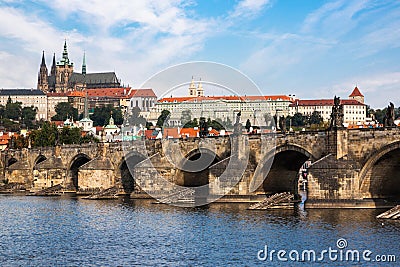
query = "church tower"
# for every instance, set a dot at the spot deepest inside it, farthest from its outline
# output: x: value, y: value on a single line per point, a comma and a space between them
x: 192, y: 89
x: 64, y: 70
x: 356, y: 95
x: 43, y: 82
x: 200, y: 90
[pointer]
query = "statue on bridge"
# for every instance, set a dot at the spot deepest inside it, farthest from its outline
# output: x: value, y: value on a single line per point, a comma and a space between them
x: 203, y: 127
x: 282, y: 124
x: 337, y: 114
x: 237, y: 127
x: 388, y: 121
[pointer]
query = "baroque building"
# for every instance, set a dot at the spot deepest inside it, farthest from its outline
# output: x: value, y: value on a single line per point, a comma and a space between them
x: 354, y: 108
x: 62, y: 77
x: 224, y: 107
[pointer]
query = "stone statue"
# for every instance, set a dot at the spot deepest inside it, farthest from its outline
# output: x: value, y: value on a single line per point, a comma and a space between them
x: 337, y: 114
x: 282, y: 124
x: 388, y: 121
x: 238, y: 117
x: 203, y: 127
x: 237, y: 128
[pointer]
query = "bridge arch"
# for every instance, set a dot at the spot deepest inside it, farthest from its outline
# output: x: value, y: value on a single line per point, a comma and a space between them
x: 380, y: 175
x: 73, y: 169
x: 195, y: 167
x: 126, y: 168
x: 40, y: 158
x: 11, y: 161
x: 280, y: 168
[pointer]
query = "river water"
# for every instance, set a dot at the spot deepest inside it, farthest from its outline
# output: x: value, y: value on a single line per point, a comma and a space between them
x: 63, y: 231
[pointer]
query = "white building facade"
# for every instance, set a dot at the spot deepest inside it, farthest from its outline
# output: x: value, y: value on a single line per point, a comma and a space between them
x: 252, y: 108
x: 28, y: 98
x: 354, y: 109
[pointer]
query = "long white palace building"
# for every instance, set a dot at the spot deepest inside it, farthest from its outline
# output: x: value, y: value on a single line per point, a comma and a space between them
x: 253, y: 108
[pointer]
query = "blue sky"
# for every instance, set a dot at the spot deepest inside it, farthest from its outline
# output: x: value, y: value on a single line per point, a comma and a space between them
x: 313, y: 49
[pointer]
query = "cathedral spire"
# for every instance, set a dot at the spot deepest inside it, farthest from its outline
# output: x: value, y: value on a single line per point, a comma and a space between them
x: 65, y: 59
x: 84, y: 64
x: 43, y: 76
x: 53, y: 66
x: 65, y: 52
x: 43, y: 60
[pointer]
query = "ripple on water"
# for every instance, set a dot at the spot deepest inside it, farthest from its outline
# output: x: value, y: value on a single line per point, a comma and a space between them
x: 37, y: 231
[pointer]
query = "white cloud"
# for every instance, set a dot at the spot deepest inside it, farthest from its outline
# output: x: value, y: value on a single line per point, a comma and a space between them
x: 282, y: 52
x: 29, y: 32
x: 161, y: 34
x: 334, y: 19
x: 249, y: 8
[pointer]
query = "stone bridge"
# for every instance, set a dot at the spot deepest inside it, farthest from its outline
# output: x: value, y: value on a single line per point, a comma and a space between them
x: 362, y: 165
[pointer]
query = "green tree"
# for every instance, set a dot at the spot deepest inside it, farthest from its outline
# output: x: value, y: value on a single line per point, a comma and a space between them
x: 63, y: 111
x: 298, y: 120
x: 46, y: 136
x: 191, y: 124
x: 380, y: 114
x: 21, y: 142
x: 70, y: 135
x: 13, y: 110
x: 29, y: 116
x: 315, y: 118
x: 2, y: 111
x: 163, y: 118
x: 215, y: 124
x: 101, y: 115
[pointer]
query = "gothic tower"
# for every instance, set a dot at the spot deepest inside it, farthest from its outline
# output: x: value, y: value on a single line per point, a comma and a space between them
x: 53, y: 66
x: 43, y: 82
x: 64, y: 70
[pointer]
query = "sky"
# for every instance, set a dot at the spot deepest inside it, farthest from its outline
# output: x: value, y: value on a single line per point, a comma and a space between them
x: 312, y: 49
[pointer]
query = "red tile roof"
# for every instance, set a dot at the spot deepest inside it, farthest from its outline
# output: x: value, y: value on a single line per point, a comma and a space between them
x: 324, y: 102
x: 69, y: 93
x: 149, y: 134
x: 3, y: 142
x: 213, y: 132
x: 227, y: 98
x: 76, y: 93
x: 54, y: 94
x: 121, y: 92
x: 189, y: 132
x: 142, y: 93
x: 171, y: 132
x: 108, y: 92
x: 356, y: 92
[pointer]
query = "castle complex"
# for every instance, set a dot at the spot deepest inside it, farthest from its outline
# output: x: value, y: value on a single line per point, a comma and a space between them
x: 62, y: 77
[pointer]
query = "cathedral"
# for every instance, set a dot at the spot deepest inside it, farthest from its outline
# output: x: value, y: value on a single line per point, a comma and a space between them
x: 62, y: 77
